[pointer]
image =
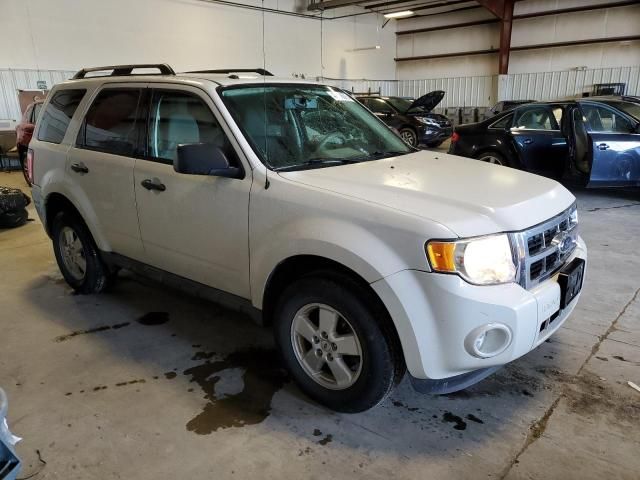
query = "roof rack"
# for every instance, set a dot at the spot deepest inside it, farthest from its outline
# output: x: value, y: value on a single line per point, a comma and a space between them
x: 259, y: 71
x: 120, y: 70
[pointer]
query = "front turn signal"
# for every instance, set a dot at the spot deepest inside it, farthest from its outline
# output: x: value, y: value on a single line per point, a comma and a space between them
x: 442, y: 256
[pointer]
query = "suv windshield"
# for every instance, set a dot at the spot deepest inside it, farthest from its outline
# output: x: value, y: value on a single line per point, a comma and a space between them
x: 292, y: 127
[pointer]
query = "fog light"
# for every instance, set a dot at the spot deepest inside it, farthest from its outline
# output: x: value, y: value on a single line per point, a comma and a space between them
x: 488, y: 341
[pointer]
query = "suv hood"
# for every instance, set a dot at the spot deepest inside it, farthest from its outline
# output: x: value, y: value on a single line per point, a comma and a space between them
x: 467, y: 196
x: 428, y: 102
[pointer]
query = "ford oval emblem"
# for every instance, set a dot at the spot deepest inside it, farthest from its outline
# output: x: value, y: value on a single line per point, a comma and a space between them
x: 563, y: 241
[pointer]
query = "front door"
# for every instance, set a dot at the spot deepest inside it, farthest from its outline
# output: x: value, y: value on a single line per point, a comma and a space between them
x: 539, y: 140
x: 100, y: 165
x: 614, y: 144
x: 194, y: 226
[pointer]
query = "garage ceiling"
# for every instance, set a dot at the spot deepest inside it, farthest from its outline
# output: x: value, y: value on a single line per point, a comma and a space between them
x: 420, y: 7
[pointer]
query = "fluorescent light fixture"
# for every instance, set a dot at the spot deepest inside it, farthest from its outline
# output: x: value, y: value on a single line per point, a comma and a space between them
x: 360, y: 49
x: 402, y: 14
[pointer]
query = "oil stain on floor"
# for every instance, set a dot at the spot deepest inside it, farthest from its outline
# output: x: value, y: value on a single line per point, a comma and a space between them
x: 154, y: 318
x: 262, y: 376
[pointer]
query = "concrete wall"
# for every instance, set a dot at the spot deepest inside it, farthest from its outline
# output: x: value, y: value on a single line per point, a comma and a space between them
x: 189, y: 34
x: 610, y: 22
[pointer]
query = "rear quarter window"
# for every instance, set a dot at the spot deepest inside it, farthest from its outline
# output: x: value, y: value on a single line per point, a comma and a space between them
x: 58, y: 113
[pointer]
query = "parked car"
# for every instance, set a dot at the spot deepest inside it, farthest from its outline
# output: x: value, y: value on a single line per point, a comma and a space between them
x: 289, y: 200
x: 413, y: 119
x: 24, y: 131
x: 506, y: 105
x: 594, y: 141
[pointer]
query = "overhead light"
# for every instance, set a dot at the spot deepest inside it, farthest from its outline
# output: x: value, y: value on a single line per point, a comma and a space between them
x: 360, y: 49
x: 402, y: 14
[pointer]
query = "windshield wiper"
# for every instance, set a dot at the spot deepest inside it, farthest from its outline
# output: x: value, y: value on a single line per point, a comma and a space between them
x: 378, y: 155
x: 318, y: 162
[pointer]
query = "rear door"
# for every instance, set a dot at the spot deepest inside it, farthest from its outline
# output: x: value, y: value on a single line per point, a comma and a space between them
x: 100, y: 164
x: 539, y: 140
x: 194, y: 226
x: 614, y: 145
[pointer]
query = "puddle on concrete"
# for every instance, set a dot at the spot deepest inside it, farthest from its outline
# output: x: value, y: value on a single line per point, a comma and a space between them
x: 326, y: 440
x: 154, y: 318
x: 473, y: 418
x: 102, y: 328
x: 262, y: 376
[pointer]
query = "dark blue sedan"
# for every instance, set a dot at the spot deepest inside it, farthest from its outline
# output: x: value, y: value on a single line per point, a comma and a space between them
x: 594, y: 141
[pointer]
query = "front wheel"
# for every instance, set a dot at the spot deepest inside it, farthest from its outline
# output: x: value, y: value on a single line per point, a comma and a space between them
x: 409, y: 136
x: 335, y: 345
x: 77, y: 255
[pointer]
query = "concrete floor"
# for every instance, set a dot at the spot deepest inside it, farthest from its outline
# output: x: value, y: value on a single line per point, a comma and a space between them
x: 147, y: 383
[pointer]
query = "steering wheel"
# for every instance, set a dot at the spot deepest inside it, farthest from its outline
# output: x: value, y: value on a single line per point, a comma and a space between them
x: 330, y: 136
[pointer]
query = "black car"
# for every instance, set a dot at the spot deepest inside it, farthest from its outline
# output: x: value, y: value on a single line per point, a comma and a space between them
x: 412, y: 118
x: 595, y: 141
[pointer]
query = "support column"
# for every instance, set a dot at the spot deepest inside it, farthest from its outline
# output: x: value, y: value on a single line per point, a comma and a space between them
x: 503, y: 9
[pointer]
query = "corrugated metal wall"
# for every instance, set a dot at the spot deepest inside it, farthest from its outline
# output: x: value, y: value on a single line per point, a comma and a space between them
x: 460, y: 92
x: 13, y: 80
x: 483, y: 91
x: 567, y: 84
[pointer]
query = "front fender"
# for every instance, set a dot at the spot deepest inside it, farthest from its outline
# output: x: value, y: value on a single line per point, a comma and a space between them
x: 346, y: 243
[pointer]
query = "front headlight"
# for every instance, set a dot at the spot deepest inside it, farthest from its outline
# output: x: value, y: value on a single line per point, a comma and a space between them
x: 481, y: 261
x: 427, y: 121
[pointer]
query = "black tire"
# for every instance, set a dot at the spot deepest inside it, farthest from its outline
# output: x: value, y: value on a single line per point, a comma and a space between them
x: 409, y: 136
x: 382, y: 363
x: 96, y: 276
x: 13, y: 219
x: 496, y: 157
x: 22, y: 156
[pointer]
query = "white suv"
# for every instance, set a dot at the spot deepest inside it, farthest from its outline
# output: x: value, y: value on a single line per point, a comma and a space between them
x: 291, y: 201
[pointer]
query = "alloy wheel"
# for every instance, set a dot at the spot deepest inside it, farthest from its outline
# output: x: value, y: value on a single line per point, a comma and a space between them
x: 72, y: 252
x: 326, y: 346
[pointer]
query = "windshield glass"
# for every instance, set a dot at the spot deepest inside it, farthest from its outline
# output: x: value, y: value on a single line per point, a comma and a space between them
x: 403, y: 104
x: 629, y: 108
x: 300, y: 126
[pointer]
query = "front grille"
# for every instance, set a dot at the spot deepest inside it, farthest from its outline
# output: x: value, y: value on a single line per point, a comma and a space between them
x: 541, y: 256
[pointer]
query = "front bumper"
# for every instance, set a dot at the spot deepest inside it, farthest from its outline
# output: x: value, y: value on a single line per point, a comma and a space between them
x: 432, y: 134
x: 435, y: 314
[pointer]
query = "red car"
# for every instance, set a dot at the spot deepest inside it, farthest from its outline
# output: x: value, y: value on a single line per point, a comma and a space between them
x: 24, y: 131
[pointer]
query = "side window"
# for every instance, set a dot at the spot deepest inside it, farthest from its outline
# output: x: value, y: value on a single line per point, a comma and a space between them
x: 58, y: 114
x: 377, y: 105
x: 503, y: 123
x: 603, y: 120
x: 111, y: 124
x: 538, y: 118
x: 178, y: 118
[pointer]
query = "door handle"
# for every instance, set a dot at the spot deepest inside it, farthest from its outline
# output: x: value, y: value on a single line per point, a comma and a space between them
x: 603, y: 146
x: 527, y: 141
x: 153, y: 184
x: 79, y: 167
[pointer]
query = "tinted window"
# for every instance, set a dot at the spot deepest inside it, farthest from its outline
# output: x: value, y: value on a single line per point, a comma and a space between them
x: 178, y: 118
x: 378, y: 105
x: 601, y: 119
x: 503, y: 123
x: 57, y: 115
x: 110, y: 125
x: 539, y: 118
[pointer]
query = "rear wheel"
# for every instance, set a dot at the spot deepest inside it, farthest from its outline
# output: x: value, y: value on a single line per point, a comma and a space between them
x: 409, y: 136
x: 77, y: 255
x: 494, y: 158
x: 335, y: 345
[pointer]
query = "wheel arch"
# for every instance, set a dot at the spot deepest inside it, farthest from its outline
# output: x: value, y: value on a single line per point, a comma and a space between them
x: 57, y: 202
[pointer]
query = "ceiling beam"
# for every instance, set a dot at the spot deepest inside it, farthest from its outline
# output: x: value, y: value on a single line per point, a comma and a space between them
x: 328, y: 4
x: 428, y: 6
x: 450, y: 26
x: 503, y: 10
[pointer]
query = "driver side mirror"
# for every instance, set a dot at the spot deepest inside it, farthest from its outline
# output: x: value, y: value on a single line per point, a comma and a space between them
x: 204, y: 159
